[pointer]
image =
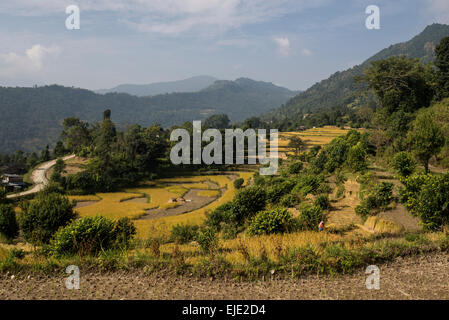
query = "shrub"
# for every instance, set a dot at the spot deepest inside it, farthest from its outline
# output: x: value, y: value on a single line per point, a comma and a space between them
x: 289, y: 201
x: 307, y: 184
x: 403, y: 164
x: 8, y: 223
x: 322, y: 201
x: 379, y: 198
x: 356, y: 158
x: 207, y: 240
x: 247, y: 203
x: 124, y: 231
x: 276, y: 191
x: 89, y: 236
x: 42, y: 217
x: 221, y: 215
x: 184, y: 233
x: 310, y: 218
x: 295, y: 168
x: 238, y: 183
x: 273, y: 221
x: 427, y: 196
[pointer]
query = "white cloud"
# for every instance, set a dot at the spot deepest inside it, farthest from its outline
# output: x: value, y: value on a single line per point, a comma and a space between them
x: 172, y: 17
x: 13, y: 64
x: 283, y: 46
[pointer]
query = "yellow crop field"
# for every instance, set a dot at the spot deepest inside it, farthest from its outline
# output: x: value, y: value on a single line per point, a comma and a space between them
x: 85, y: 198
x: 114, y: 206
x: 162, y: 227
x: 159, y: 195
x: 204, y: 186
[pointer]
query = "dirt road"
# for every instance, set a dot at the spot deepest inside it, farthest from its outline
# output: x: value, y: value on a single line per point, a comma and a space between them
x: 424, y: 277
x: 38, y: 177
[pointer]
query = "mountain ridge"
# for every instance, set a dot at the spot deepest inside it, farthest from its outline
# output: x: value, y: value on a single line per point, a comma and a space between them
x: 340, y: 88
x: 192, y: 84
x: 32, y: 117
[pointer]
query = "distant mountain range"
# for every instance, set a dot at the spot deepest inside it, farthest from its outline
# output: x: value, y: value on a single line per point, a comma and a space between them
x: 340, y: 89
x: 31, y: 118
x: 193, y: 84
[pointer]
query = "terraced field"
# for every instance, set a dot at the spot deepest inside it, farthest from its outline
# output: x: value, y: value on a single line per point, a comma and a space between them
x: 196, y: 195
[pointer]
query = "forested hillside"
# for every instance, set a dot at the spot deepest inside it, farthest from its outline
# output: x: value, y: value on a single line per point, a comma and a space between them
x: 32, y: 117
x: 341, y: 89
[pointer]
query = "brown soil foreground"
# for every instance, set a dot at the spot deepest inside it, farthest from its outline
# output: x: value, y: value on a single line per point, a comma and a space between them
x: 425, y: 277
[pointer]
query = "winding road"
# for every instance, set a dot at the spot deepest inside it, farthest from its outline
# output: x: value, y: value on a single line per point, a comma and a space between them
x: 39, y: 178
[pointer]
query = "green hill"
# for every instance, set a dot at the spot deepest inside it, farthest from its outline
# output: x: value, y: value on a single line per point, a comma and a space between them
x: 32, y: 117
x: 340, y: 89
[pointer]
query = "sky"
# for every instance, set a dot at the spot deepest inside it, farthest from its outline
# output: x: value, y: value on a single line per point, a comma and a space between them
x: 291, y: 43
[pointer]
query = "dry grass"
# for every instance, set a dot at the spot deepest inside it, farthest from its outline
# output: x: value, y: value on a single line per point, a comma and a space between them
x: 383, y: 226
x: 85, y: 198
x: 203, y: 186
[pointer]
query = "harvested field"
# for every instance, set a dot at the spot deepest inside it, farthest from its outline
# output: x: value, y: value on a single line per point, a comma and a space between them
x: 423, y: 277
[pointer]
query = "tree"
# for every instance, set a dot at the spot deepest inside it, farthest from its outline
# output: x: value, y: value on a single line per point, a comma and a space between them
x: 8, y: 223
x: 2, y: 195
x: 357, y: 158
x: 296, y: 143
x: 442, y: 63
x: 59, y: 150
x: 427, y: 196
x: 75, y: 134
x: 45, y: 154
x: 403, y: 164
x: 400, y: 84
x: 217, y: 121
x: 43, y: 216
x: 425, y: 138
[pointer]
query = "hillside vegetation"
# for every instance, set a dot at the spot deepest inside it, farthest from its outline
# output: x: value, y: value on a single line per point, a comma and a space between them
x: 32, y: 117
x: 341, y: 90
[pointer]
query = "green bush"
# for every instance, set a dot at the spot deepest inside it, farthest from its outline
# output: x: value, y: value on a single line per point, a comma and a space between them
x: 427, y: 196
x: 247, y: 203
x: 379, y: 198
x: 221, y: 215
x: 124, y: 231
x: 310, y: 218
x: 183, y: 234
x: 404, y: 164
x: 207, y: 240
x: 295, y: 168
x: 357, y: 158
x: 238, y: 183
x: 277, y: 190
x: 42, y: 217
x: 8, y: 223
x: 289, y: 201
x: 90, y: 236
x: 322, y: 201
x: 273, y: 221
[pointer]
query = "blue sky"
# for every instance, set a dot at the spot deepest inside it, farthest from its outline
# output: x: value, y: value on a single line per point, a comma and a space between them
x: 292, y: 43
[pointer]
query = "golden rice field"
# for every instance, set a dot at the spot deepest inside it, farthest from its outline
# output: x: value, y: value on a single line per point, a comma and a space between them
x: 157, y: 195
x: 311, y: 137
